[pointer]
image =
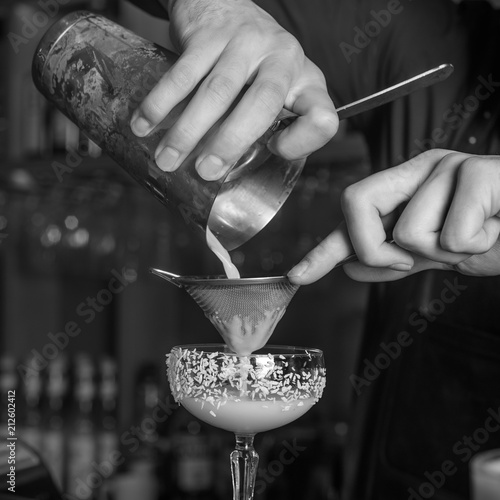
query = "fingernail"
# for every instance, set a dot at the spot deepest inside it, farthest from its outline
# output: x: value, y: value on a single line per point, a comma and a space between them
x: 140, y: 126
x: 298, y: 270
x: 211, y: 168
x: 167, y: 159
x: 401, y: 267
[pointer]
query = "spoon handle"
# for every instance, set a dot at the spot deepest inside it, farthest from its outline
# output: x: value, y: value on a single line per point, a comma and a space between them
x: 420, y: 81
x: 425, y: 79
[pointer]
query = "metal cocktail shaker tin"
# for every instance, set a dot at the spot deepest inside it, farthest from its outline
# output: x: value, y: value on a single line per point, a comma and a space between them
x: 96, y: 72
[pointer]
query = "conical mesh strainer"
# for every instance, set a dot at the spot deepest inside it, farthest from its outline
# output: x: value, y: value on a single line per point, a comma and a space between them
x: 245, y: 311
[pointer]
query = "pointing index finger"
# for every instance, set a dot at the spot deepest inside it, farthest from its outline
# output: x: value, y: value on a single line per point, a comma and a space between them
x: 322, y: 259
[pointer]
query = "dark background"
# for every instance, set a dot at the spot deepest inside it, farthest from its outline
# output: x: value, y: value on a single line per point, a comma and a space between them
x: 63, y: 236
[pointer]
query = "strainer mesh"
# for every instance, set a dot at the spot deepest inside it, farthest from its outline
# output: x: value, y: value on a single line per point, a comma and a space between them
x: 248, y: 301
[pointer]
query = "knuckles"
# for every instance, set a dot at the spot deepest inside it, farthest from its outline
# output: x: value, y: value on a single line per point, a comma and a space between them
x: 452, y: 242
x: 221, y: 88
x: 233, y: 144
x: 271, y: 95
x: 352, y: 196
x: 473, y: 167
x: 155, y: 107
x: 182, y: 77
x: 291, y: 47
x: 456, y: 242
x: 321, y: 129
x: 406, y: 238
x: 435, y: 156
x: 184, y: 136
x: 152, y: 109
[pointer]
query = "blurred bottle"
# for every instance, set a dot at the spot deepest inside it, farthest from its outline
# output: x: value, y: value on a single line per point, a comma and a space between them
x: 29, y: 122
x: 4, y: 48
x: 8, y: 382
x: 55, y: 408
x: 30, y: 422
x: 108, y: 405
x: 5, y: 207
x: 148, y: 393
x: 107, y: 437
x: 192, y: 458
x: 82, y: 478
x: 26, y: 111
x: 138, y: 477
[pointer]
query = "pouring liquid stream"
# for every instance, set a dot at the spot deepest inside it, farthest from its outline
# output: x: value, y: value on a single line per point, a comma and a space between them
x: 216, y: 246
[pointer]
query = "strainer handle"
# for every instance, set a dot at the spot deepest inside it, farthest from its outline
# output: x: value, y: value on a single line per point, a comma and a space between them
x: 171, y: 277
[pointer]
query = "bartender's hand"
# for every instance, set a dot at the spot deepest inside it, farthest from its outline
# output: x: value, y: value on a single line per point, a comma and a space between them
x: 442, y: 209
x: 225, y: 45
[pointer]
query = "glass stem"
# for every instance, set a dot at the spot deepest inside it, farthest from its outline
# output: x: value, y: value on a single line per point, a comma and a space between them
x: 244, y: 461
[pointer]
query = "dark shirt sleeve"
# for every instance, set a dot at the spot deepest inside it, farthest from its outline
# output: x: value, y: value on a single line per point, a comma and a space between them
x: 152, y: 7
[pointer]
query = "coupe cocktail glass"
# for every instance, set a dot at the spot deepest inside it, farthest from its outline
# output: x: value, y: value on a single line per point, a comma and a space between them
x: 246, y: 394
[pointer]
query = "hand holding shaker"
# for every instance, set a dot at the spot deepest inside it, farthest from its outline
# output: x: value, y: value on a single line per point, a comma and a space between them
x: 96, y: 72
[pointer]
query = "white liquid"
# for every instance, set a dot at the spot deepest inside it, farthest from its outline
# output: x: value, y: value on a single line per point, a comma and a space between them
x: 216, y: 246
x: 247, y: 415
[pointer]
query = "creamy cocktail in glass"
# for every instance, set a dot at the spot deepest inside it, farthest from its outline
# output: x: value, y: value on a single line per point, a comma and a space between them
x: 246, y: 394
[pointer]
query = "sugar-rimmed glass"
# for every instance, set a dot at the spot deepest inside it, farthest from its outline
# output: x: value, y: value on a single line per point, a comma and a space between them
x: 246, y: 394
